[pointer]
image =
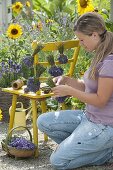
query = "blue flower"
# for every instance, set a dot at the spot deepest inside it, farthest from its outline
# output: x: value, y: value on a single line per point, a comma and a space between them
x: 55, y: 71
x: 33, y: 84
x: 28, y: 61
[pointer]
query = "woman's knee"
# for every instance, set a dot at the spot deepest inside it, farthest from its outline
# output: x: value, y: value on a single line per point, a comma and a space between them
x: 44, y: 121
x: 57, y: 162
x: 41, y: 122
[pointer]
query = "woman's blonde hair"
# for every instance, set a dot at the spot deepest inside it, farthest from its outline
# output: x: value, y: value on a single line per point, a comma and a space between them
x: 93, y: 22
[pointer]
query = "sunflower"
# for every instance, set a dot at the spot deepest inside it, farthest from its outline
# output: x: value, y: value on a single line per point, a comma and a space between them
x: 14, y: 31
x: 17, y: 7
x: 28, y: 4
x: 85, y: 6
x: 1, y: 116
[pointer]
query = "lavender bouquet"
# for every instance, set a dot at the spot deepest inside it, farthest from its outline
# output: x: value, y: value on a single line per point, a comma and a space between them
x: 51, y: 84
x: 33, y: 83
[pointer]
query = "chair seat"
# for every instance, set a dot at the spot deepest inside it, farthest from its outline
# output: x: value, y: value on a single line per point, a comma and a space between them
x: 30, y: 95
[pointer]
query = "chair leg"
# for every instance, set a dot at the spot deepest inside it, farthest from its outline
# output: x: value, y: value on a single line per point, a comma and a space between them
x: 12, y: 114
x: 35, y: 130
x: 44, y: 109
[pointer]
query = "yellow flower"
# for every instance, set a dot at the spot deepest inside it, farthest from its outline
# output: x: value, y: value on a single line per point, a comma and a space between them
x: 85, y: 6
x: 14, y: 31
x: 1, y: 116
x: 81, y: 73
x: 33, y: 25
x: 40, y: 26
x: 28, y: 4
x: 17, y: 7
x: 49, y: 21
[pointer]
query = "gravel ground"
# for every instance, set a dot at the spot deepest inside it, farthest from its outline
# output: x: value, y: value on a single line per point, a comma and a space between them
x: 40, y: 163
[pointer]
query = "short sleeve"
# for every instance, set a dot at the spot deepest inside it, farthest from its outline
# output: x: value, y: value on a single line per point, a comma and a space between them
x: 107, y: 69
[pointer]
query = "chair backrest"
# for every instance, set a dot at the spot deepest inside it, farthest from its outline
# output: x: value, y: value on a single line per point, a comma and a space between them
x: 71, y: 47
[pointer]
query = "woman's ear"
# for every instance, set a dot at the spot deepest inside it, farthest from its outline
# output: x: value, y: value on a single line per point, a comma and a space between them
x: 95, y: 35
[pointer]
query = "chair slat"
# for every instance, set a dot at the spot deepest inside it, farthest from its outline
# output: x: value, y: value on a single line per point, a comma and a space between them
x: 52, y: 46
x: 56, y: 62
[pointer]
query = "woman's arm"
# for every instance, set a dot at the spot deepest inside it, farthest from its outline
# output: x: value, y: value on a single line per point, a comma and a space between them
x: 75, y: 83
x: 99, y: 99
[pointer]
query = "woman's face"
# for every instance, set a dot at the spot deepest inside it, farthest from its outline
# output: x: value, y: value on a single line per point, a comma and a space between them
x: 88, y: 42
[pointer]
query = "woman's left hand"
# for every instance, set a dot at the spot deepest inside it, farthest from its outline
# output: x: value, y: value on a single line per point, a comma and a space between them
x: 62, y: 90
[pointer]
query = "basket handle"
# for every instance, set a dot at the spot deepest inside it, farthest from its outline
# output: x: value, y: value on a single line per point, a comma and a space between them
x: 10, y: 134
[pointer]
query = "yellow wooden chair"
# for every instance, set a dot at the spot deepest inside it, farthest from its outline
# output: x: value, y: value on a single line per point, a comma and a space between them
x: 50, y: 46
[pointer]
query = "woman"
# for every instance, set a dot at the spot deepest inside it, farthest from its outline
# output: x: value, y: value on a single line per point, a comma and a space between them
x: 85, y: 138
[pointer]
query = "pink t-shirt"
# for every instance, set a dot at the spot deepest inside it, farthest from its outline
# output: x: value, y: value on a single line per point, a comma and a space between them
x: 95, y: 114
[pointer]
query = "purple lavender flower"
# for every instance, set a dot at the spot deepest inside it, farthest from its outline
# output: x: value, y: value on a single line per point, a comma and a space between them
x: 18, y: 68
x: 26, y: 90
x: 64, y: 20
x: 61, y: 99
x: 62, y: 59
x: 10, y: 62
x: 22, y: 143
x: 55, y: 71
x: 0, y: 75
x: 28, y: 61
x: 2, y: 63
x: 33, y: 84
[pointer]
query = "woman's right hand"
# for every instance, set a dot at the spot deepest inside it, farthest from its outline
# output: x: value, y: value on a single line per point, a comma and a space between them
x: 60, y: 80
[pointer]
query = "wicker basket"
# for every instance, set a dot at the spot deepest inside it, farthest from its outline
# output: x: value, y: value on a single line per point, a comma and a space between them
x: 15, y: 152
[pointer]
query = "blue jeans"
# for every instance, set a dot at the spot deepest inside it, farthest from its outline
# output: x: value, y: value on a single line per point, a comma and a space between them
x: 81, y: 142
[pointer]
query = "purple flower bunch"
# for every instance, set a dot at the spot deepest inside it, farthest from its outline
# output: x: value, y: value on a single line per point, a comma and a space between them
x: 22, y: 143
x: 55, y: 71
x: 33, y: 85
x: 51, y: 84
x: 61, y: 99
x: 28, y: 61
x: 62, y: 59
